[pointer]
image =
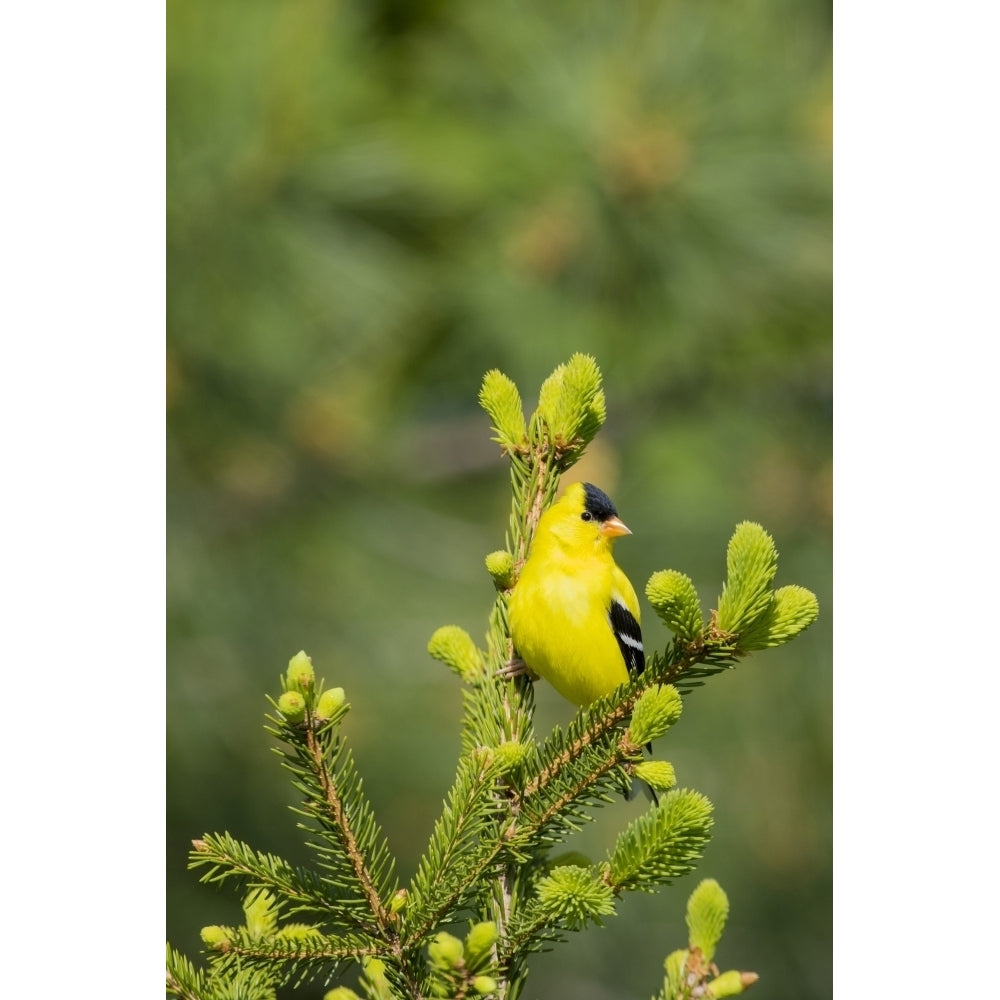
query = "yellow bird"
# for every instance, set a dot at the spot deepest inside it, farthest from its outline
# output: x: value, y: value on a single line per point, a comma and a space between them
x: 573, y: 614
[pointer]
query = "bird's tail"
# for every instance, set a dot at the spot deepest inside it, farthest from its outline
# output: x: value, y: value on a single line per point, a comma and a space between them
x: 640, y: 787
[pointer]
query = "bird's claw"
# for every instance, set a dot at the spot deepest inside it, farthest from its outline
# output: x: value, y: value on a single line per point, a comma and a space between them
x: 516, y: 667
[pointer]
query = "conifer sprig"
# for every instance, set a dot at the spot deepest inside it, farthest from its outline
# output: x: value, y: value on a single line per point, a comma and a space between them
x: 354, y: 830
x: 691, y: 973
x: 302, y: 889
x: 184, y: 981
x: 569, y: 898
x: 662, y: 844
x: 448, y: 871
x: 345, y: 836
x: 292, y: 958
x: 564, y: 802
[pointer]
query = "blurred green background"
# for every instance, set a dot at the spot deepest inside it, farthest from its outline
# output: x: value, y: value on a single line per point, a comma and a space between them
x: 369, y: 206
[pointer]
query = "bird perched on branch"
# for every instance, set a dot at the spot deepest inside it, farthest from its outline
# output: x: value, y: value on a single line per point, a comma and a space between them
x: 573, y: 615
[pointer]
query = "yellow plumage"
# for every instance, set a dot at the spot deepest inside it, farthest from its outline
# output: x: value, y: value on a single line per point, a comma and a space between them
x: 574, y: 616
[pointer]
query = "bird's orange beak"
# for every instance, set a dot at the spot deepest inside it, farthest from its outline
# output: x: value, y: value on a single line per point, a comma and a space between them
x: 613, y: 527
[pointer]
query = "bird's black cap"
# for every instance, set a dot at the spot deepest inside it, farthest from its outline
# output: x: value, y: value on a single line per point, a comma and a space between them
x: 598, y: 503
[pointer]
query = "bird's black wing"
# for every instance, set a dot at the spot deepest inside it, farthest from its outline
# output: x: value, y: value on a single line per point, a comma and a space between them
x: 629, y: 637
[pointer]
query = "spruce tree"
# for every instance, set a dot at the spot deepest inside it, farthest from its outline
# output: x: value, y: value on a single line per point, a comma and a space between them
x: 491, y: 888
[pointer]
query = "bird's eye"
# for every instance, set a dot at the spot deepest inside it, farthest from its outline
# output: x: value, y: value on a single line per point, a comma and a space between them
x: 587, y: 516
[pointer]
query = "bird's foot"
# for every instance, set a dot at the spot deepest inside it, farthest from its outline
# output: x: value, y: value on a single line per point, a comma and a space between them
x: 516, y: 667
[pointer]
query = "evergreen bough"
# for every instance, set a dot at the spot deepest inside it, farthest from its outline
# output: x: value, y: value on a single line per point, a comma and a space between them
x: 490, y: 863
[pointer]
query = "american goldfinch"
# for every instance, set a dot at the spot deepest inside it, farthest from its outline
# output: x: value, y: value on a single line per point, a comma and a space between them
x: 573, y: 614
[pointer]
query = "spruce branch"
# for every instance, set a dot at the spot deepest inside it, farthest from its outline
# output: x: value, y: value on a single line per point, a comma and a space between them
x: 463, y: 969
x: 675, y: 599
x: 184, y: 981
x: 454, y: 647
x: 658, y: 774
x: 751, y: 563
x: 563, y: 803
x: 447, y: 873
x: 691, y: 973
x: 661, y: 844
x: 366, y: 873
x: 293, y: 959
x: 501, y: 400
x: 230, y: 858
x: 569, y: 898
x: 350, y: 845
x: 707, y: 913
x: 594, y: 725
x: 791, y: 610
x: 571, y: 409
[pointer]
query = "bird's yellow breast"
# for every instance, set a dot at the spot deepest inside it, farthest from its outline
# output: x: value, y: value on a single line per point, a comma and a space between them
x: 559, y: 621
